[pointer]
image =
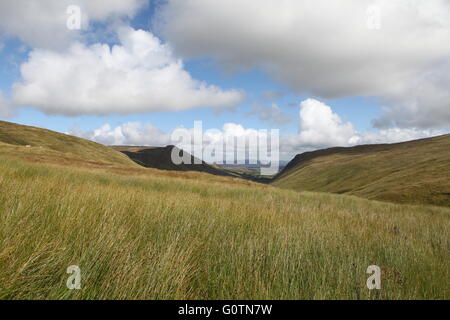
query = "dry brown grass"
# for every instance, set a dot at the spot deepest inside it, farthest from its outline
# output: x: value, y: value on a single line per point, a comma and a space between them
x: 145, y: 234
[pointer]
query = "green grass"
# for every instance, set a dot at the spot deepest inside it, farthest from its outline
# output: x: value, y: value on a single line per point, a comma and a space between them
x: 412, y: 172
x: 140, y: 233
x: 146, y: 234
x: 49, y: 146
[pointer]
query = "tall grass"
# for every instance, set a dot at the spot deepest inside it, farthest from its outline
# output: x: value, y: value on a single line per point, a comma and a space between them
x: 151, y: 236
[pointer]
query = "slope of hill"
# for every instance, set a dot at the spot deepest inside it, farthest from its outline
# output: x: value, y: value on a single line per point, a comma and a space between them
x: 139, y: 233
x: 46, y: 146
x: 43, y: 145
x: 161, y: 158
x: 409, y: 172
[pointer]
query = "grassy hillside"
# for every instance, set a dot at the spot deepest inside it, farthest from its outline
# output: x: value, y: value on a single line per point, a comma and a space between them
x: 142, y: 236
x: 139, y: 233
x: 48, y: 146
x: 160, y: 158
x: 411, y: 172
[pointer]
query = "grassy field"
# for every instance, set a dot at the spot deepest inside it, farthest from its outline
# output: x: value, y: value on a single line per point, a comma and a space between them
x: 411, y: 172
x: 139, y: 233
x: 144, y: 234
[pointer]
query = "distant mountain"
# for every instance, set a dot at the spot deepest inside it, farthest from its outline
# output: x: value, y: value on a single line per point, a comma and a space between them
x: 409, y: 172
x: 161, y: 158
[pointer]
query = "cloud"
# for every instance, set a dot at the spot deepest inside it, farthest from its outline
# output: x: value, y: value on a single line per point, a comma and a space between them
x: 272, y: 115
x: 138, y: 76
x: 43, y: 23
x: 319, y: 128
x: 326, y: 48
x: 146, y: 134
x: 394, y: 135
x: 131, y: 133
x: 271, y: 95
x: 6, y: 109
x: 425, y: 103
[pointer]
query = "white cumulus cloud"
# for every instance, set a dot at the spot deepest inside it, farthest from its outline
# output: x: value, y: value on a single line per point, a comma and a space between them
x: 131, y: 133
x: 320, y: 127
x: 328, y: 48
x: 43, y: 23
x: 138, y: 76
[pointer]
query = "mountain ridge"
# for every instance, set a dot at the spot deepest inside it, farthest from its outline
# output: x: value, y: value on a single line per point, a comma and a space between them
x: 161, y: 158
x: 416, y: 171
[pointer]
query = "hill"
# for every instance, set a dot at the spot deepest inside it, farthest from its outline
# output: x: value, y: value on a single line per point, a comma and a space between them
x: 161, y: 158
x: 409, y: 172
x: 46, y: 146
x: 143, y: 233
x: 43, y: 145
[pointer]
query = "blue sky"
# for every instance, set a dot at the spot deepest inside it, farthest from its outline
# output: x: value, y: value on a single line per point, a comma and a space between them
x: 273, y: 92
x: 255, y: 82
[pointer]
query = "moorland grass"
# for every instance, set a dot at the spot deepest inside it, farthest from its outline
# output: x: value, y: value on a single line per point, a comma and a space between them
x: 411, y: 172
x: 144, y: 234
x: 47, y: 145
